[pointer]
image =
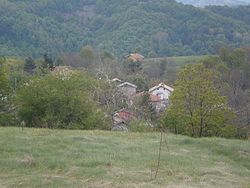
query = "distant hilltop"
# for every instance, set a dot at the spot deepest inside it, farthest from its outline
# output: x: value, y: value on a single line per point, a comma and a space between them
x: 154, y: 28
x: 203, y: 3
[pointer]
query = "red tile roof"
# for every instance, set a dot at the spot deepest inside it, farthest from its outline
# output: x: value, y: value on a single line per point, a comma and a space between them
x: 125, y: 115
x: 135, y: 57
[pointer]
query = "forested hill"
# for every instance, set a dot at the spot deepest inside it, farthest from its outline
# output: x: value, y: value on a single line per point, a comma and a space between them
x: 152, y: 27
x: 241, y: 13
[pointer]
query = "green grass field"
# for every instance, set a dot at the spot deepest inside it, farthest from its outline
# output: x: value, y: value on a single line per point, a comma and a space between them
x: 63, y: 158
x: 178, y: 59
x: 172, y: 65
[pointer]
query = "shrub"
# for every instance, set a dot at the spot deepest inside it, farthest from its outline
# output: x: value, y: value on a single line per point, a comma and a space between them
x: 140, y: 126
x: 60, y: 102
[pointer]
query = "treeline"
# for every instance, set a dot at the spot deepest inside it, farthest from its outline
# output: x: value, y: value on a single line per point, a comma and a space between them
x: 153, y: 28
x: 36, y: 93
x: 211, y: 98
x: 240, y: 13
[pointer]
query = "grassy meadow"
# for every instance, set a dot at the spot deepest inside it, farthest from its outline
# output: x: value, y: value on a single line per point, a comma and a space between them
x: 179, y: 59
x: 64, y: 158
x: 172, y: 65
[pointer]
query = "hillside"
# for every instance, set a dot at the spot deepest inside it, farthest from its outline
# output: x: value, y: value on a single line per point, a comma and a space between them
x: 203, y: 3
x: 171, y: 64
x: 241, y: 13
x: 162, y: 28
x: 61, y: 158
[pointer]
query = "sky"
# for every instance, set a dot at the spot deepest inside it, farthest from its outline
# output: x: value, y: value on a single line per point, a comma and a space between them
x: 201, y: 3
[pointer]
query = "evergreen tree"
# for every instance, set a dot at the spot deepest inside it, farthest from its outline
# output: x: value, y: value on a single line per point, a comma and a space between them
x: 29, y: 65
x: 48, y: 62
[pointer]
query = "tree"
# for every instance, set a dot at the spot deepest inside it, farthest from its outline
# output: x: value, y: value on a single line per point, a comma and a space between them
x: 144, y: 107
x: 88, y: 55
x: 234, y: 68
x: 29, y: 65
x: 132, y: 67
x: 140, y: 80
x: 5, y: 95
x: 237, y: 81
x: 56, y: 102
x: 48, y: 62
x: 197, y: 108
x: 4, y: 87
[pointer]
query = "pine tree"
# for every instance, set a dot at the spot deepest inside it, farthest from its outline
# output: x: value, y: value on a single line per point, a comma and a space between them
x: 29, y: 65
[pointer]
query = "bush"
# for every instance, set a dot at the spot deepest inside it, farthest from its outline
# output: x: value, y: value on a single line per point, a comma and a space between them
x: 60, y: 102
x: 140, y: 126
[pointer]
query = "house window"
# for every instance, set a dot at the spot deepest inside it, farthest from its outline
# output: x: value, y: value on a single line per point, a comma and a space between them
x: 161, y: 95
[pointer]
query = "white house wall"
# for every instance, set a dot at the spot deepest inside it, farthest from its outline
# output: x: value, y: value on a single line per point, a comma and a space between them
x: 164, y: 93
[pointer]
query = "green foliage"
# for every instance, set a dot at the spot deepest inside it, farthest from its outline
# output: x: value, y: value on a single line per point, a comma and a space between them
x: 144, y: 108
x: 47, y: 62
x: 5, y: 90
x: 240, y: 13
x: 29, y: 65
x: 59, y: 102
x: 4, y: 81
x: 132, y: 67
x: 88, y: 55
x: 234, y: 67
x: 233, y: 58
x: 139, y: 126
x: 106, y: 55
x: 197, y: 108
x: 139, y: 80
x: 157, y: 28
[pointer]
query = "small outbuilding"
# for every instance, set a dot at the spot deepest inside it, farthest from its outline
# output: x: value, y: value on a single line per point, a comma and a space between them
x: 121, y: 120
x: 127, y: 89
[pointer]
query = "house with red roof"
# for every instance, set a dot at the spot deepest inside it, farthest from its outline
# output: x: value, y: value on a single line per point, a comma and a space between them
x: 135, y: 57
x: 121, y: 119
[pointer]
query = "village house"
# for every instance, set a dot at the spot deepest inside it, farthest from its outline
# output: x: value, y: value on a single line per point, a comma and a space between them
x: 116, y: 80
x: 161, y: 90
x: 156, y: 101
x: 127, y: 89
x: 135, y: 57
x: 159, y: 96
x: 121, y: 120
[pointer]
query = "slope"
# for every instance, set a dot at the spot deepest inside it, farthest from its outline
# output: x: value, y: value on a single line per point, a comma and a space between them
x: 241, y: 13
x: 61, y: 158
x: 165, y: 28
